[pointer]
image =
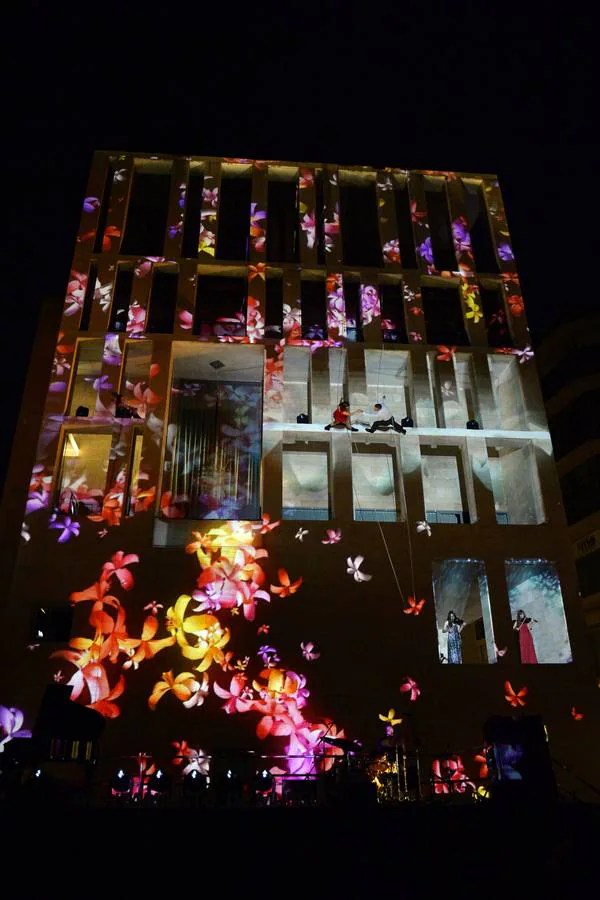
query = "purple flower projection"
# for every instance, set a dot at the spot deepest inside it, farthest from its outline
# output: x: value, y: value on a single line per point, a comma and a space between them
x: 425, y: 251
x: 462, y: 238
x: 69, y: 528
x: 370, y: 304
x: 91, y: 204
x: 505, y: 252
x: 11, y: 720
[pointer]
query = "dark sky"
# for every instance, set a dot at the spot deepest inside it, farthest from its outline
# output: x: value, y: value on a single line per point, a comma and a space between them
x: 397, y: 84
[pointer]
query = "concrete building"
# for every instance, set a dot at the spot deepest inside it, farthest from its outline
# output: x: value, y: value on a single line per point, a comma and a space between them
x: 568, y: 361
x: 217, y: 312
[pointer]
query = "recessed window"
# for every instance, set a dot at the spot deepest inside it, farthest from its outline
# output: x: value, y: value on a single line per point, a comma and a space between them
x: 314, y: 309
x: 83, y: 471
x: 463, y: 614
x: 119, y: 312
x: 86, y: 383
x: 163, y: 301
x: 539, y: 626
x: 443, y: 316
x: 221, y: 306
x: 359, y: 221
x: 296, y: 377
x: 495, y: 315
x: 404, y: 223
x: 508, y: 393
x: 516, y: 485
x: 234, y: 214
x: 374, y: 481
x: 393, y: 326
x: 146, y: 221
x: 479, y: 227
x: 439, y: 224
x: 138, y: 496
x: 305, y: 492
x: 282, y: 211
x: 216, y: 421
x: 193, y: 210
x: 444, y: 489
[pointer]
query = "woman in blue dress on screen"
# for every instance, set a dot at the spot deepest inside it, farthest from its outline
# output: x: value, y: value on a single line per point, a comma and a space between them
x: 453, y: 627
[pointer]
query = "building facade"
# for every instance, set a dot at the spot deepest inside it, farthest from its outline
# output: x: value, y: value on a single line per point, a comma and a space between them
x: 568, y: 361
x: 206, y: 564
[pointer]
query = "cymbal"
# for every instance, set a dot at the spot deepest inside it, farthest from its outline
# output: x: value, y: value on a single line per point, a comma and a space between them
x: 343, y: 744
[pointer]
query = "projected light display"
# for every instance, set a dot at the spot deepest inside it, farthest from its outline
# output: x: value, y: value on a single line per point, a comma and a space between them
x: 536, y: 605
x: 281, y: 630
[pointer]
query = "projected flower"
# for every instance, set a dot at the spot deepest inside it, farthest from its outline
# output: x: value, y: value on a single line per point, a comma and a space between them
x: 239, y: 697
x: 391, y: 251
x: 309, y: 651
x: 577, y: 716
x: 332, y: 536
x: 414, y: 607
x: 91, y: 204
x: 515, y: 305
x: 292, y: 321
x: 370, y: 304
x: 11, y: 721
x: 445, y: 353
x: 69, y: 528
x: 474, y: 310
x: 183, y: 686
x: 409, y: 686
x: 75, y: 293
x: 331, y: 228
x: 390, y: 718
x: 425, y: 251
x: 461, y: 236
x: 505, y: 252
x: 308, y: 224
x: 481, y: 758
x: 266, y: 525
x: 301, y: 534
x: 285, y: 587
x: 145, y: 647
x: 257, y: 231
x: 136, y: 320
x: 353, y: 568
x: 515, y: 699
x: 424, y: 528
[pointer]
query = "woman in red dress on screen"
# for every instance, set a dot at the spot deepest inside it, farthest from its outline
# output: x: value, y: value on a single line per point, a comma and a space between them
x: 522, y: 625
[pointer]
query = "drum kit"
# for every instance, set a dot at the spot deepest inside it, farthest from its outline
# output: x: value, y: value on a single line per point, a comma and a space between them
x: 394, y: 772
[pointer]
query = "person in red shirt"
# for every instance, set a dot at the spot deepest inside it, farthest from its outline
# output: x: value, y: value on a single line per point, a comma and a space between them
x: 341, y: 417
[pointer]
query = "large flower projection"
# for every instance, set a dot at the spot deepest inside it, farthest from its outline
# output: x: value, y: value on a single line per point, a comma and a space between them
x: 201, y: 626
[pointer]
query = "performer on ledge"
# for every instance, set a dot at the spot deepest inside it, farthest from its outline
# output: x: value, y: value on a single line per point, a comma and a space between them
x: 380, y: 418
x: 341, y: 417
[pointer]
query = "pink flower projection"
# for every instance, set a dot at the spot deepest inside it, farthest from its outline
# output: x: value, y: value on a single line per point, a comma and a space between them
x: 353, y: 568
x: 76, y: 289
x: 370, y: 304
x: 332, y: 536
x: 409, y: 686
x: 11, y: 721
x: 257, y: 231
x: 309, y: 651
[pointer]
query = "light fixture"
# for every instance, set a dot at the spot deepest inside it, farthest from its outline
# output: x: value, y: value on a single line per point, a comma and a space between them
x: 72, y: 448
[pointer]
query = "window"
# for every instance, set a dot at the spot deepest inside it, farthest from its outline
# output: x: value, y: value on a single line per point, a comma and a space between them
x: 494, y: 313
x: 374, y: 479
x: 392, y: 314
x: 306, y: 483
x: 163, y: 301
x: 479, y: 227
x: 215, y: 431
x: 456, y: 386
x: 88, y: 366
x: 221, y: 306
x: 282, y: 211
x: 536, y: 605
x: 234, y: 214
x: 314, y: 309
x: 296, y: 378
x: 119, y: 312
x: 359, y: 222
x: 439, y: 224
x: 148, y: 206
x: 352, y: 301
x: 404, y: 222
x: 588, y: 573
x: 193, y: 209
x: 90, y: 290
x: 443, y: 487
x: 581, y: 490
x: 273, y: 305
x: 463, y: 613
x: 387, y: 381
x: 508, y: 394
x: 83, y: 473
x: 136, y: 375
x: 102, y: 218
x: 515, y: 485
x: 136, y: 487
x: 443, y: 316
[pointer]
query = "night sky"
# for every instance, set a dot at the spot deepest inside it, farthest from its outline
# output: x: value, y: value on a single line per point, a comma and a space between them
x: 397, y: 84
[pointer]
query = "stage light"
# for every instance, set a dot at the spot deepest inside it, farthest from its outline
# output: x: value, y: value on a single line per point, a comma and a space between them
x: 473, y: 425
x: 407, y: 422
x: 195, y: 782
x: 159, y: 783
x: 121, y: 784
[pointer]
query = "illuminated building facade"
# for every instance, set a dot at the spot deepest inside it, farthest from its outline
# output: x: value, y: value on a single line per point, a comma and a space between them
x: 239, y: 576
x: 569, y: 364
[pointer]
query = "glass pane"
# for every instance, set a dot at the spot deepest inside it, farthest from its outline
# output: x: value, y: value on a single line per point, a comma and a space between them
x: 373, y: 485
x: 87, y: 378
x: 305, y: 484
x: 83, y: 473
x: 442, y: 490
x: 516, y: 487
x: 537, y: 610
x: 463, y: 614
x: 136, y: 459
x: 506, y: 383
x: 138, y: 356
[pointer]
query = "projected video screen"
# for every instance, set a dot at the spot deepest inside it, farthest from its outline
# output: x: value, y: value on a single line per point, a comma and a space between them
x: 538, y: 617
x: 463, y: 614
x: 217, y: 451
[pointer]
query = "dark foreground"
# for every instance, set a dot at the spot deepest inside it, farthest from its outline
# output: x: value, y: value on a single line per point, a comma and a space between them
x: 407, y: 851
